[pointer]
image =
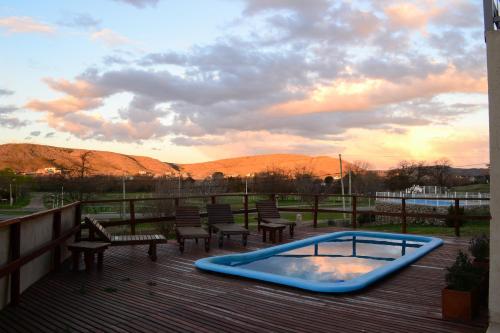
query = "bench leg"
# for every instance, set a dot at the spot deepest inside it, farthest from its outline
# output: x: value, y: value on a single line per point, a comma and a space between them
x: 207, y: 244
x: 89, y: 261
x: 244, y: 239
x: 181, y: 245
x: 272, y: 236
x: 221, y: 239
x: 263, y: 235
x: 152, y: 247
x: 291, y: 231
x: 100, y: 259
x: 75, y: 255
x: 280, y: 235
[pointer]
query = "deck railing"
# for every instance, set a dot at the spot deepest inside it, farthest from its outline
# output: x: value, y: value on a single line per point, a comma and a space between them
x: 33, y: 245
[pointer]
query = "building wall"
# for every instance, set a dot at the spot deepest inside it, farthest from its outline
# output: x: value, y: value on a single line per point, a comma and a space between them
x: 493, y: 52
x: 34, y: 234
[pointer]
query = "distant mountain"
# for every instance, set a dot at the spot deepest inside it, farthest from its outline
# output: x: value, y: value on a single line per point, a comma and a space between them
x: 320, y: 166
x: 31, y: 158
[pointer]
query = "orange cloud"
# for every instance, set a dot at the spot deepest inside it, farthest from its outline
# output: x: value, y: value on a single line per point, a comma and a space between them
x: 24, y: 24
x: 64, y: 105
x: 412, y: 16
x: 364, y: 94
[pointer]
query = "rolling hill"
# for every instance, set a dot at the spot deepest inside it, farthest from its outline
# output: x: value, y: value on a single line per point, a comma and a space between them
x: 30, y: 158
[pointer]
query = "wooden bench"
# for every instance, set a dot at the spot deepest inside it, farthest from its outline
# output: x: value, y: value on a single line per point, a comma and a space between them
x: 188, y: 226
x: 221, y: 220
x: 124, y: 240
x: 269, y: 213
x: 272, y: 228
x: 89, y: 250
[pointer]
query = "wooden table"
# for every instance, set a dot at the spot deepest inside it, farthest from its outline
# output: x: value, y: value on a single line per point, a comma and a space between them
x: 89, y: 250
x: 272, y: 228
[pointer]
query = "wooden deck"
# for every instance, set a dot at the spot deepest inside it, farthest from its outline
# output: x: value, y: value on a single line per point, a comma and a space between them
x: 133, y: 294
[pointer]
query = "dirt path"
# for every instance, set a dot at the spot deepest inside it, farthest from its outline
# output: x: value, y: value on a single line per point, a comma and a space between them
x: 36, y: 202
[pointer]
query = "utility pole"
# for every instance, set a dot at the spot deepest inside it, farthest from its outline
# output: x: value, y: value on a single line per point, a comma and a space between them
x: 350, y: 187
x: 124, y: 195
x: 342, y: 184
x: 11, y: 198
x: 62, y: 195
x: 179, y: 194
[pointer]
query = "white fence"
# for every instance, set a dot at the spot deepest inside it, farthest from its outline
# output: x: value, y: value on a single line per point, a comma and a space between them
x: 472, y: 198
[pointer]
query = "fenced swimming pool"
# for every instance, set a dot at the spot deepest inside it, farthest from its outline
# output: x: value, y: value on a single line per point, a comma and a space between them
x: 430, y: 199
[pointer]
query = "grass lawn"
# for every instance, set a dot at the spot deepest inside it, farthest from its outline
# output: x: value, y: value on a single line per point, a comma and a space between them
x: 23, y: 201
x: 470, y: 228
x: 484, y: 188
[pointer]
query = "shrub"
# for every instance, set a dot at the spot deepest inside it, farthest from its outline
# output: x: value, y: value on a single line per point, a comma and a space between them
x: 449, y: 220
x: 479, y: 247
x: 462, y: 275
x: 364, y: 218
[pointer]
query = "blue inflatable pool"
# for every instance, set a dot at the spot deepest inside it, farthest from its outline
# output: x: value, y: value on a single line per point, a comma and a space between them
x: 333, y: 263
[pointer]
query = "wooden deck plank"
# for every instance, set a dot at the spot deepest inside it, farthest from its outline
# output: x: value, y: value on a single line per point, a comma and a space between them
x: 136, y: 295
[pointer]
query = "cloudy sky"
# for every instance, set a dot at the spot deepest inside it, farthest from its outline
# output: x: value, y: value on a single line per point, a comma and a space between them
x: 190, y: 80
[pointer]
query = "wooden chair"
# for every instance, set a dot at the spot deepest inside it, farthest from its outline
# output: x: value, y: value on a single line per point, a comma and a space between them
x: 269, y: 213
x: 221, y: 221
x: 188, y: 226
x: 123, y: 240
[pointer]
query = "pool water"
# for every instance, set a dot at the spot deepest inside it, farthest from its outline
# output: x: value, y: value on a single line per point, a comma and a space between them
x: 336, y: 260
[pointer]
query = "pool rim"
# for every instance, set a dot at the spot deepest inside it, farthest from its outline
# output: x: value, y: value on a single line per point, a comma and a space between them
x: 358, y: 283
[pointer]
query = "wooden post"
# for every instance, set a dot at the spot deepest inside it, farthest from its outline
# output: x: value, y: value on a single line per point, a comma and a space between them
x: 315, y: 212
x: 273, y: 197
x: 132, y: 217
x: 213, y: 199
x: 15, y: 253
x: 353, y: 213
x: 457, y: 217
x: 403, y: 215
x: 78, y: 221
x: 56, y: 233
x: 176, y: 202
x: 245, y: 207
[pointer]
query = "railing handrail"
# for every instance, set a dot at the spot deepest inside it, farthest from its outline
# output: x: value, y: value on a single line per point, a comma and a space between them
x: 35, y: 215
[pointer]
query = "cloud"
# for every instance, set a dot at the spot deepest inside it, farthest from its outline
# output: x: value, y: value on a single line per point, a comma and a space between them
x: 6, y: 92
x: 49, y: 135
x: 9, y: 121
x: 35, y: 133
x: 110, y: 38
x: 80, y: 20
x: 140, y: 3
x: 24, y: 24
x: 312, y: 74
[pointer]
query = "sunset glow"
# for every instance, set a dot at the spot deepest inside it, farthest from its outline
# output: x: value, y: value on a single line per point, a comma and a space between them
x: 194, y: 81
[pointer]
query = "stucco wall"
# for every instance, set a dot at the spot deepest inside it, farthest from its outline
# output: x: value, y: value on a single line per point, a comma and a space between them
x: 493, y: 52
x: 34, y: 233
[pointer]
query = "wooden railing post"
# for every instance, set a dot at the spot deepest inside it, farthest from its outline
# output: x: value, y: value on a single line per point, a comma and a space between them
x: 15, y: 253
x: 354, y: 211
x: 213, y: 199
x: 315, y: 211
x: 78, y: 221
x: 403, y: 215
x: 132, y: 217
x: 56, y: 233
x: 273, y: 197
x: 245, y: 207
x: 176, y: 202
x: 456, y: 218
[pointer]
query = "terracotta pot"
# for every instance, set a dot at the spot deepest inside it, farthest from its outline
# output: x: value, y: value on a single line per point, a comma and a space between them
x: 459, y: 305
x: 482, y: 264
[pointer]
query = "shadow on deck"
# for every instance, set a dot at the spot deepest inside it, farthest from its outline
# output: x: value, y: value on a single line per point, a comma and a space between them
x: 133, y: 294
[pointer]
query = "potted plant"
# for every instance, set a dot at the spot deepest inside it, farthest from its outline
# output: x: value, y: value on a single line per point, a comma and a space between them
x: 460, y: 297
x: 479, y: 247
